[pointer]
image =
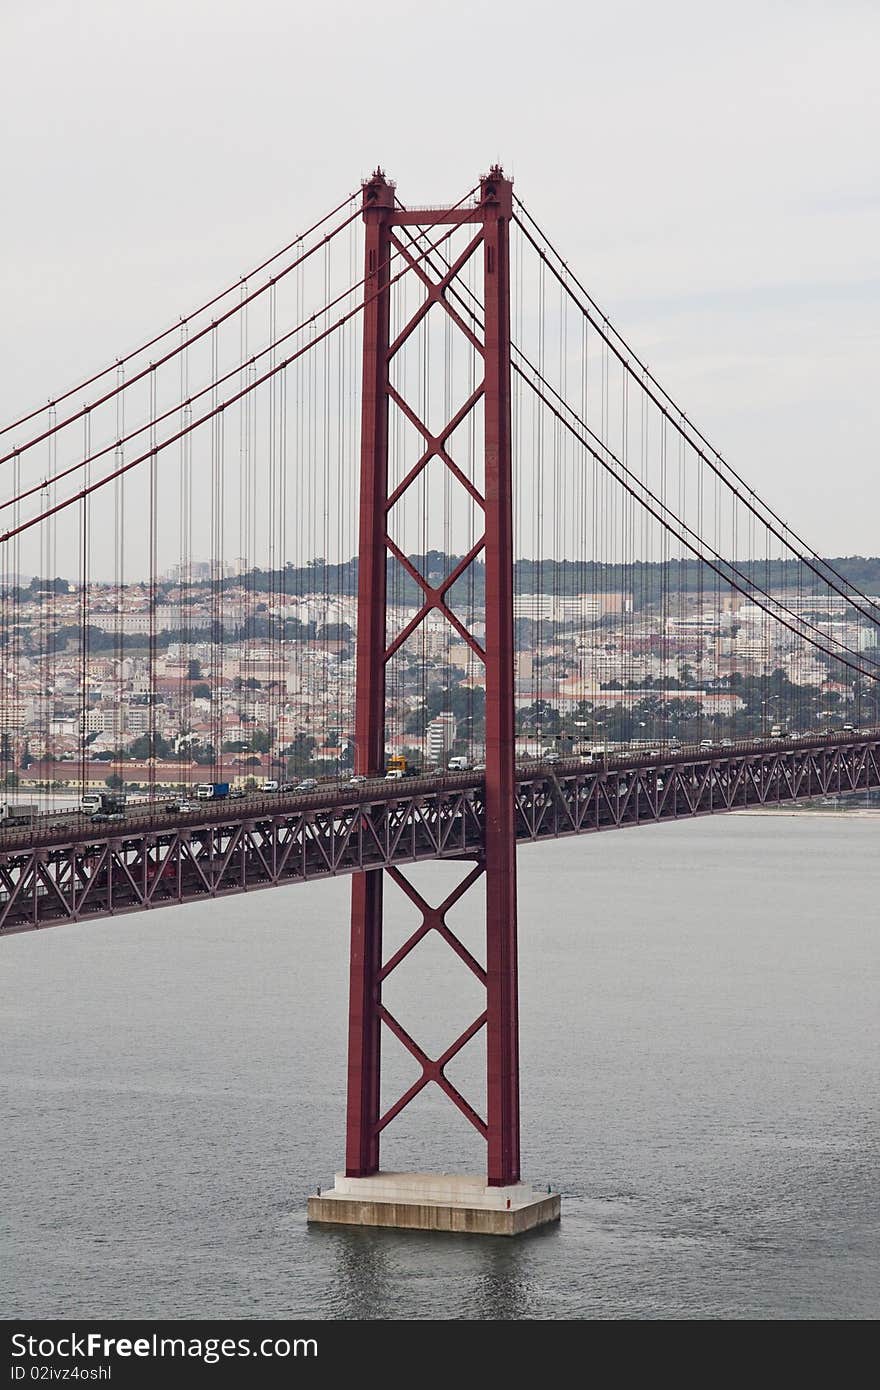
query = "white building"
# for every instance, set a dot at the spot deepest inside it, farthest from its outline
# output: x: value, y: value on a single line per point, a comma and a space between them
x: 440, y: 736
x: 569, y: 608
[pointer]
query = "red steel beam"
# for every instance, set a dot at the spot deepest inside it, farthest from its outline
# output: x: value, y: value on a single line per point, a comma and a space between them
x: 364, y: 1022
x: 500, y: 842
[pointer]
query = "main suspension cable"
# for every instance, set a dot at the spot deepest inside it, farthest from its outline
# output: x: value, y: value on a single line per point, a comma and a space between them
x: 746, y: 588
x: 209, y: 304
x: 218, y: 409
x: 151, y: 367
x: 753, y: 587
x: 626, y: 356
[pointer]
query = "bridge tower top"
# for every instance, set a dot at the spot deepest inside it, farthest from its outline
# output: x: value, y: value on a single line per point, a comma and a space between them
x: 498, y: 190
x: 378, y: 191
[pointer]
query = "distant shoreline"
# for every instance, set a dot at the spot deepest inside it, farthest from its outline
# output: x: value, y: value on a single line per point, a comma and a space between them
x: 865, y: 813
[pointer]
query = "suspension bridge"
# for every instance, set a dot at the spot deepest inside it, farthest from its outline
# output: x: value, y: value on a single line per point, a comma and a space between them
x: 402, y: 496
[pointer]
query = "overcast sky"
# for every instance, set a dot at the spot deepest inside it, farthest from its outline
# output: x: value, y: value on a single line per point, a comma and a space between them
x: 709, y: 171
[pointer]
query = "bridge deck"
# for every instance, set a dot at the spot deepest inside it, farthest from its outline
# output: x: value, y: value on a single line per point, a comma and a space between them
x: 67, y: 869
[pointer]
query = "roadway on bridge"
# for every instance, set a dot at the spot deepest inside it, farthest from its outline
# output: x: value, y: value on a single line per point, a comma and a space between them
x: 54, y: 827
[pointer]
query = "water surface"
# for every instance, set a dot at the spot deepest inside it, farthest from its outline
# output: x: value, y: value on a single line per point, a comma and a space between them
x: 700, y: 1049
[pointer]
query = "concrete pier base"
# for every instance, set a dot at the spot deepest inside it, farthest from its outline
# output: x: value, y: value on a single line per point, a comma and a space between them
x: 434, y: 1202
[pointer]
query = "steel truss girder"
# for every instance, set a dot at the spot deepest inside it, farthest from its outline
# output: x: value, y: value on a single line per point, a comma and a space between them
x: 65, y: 879
x: 102, y: 876
x: 560, y: 804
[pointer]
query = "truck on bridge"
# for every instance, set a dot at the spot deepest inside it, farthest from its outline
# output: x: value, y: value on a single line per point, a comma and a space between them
x: 102, y: 803
x: 18, y: 812
x: 399, y: 766
x: 212, y: 791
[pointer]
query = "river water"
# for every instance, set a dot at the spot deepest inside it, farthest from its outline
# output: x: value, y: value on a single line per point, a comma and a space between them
x: 700, y: 1008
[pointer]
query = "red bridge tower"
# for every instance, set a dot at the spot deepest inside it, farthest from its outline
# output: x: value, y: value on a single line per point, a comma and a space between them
x: 502, y: 1204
